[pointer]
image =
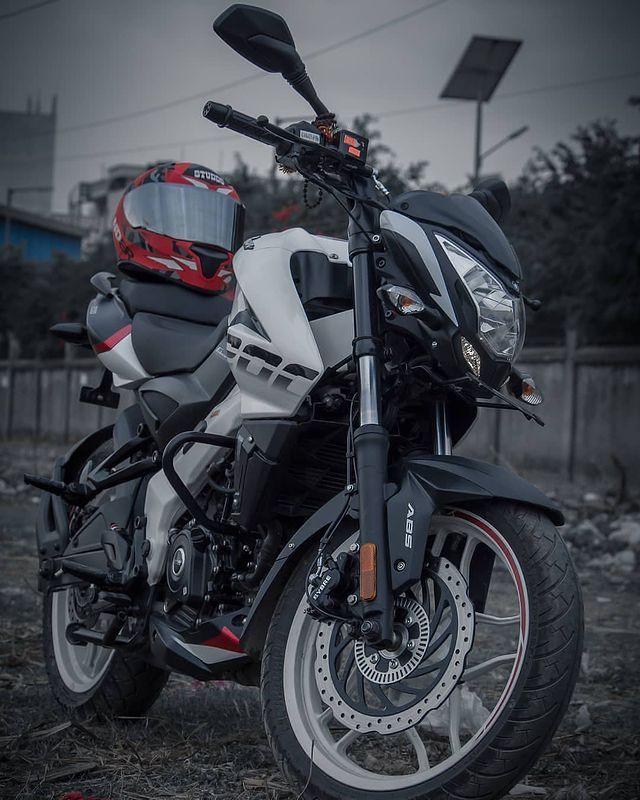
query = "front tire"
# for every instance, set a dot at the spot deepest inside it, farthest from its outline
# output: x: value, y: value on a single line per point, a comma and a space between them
x: 515, y: 721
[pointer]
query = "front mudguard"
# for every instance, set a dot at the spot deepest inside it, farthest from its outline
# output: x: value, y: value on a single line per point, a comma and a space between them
x: 423, y: 484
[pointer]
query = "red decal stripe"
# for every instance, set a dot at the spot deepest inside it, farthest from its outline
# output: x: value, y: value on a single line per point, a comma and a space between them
x: 226, y: 640
x: 112, y: 341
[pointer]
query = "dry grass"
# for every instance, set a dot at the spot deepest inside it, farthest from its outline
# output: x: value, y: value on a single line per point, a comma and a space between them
x: 206, y: 742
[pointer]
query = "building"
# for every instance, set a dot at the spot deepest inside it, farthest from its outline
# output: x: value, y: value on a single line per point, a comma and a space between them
x: 39, y: 237
x: 92, y: 204
x: 27, y: 144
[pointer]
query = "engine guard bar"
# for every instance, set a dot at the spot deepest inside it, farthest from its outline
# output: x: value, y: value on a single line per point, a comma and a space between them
x: 177, y: 484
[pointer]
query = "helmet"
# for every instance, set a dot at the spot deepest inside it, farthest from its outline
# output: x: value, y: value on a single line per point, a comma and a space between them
x: 180, y: 221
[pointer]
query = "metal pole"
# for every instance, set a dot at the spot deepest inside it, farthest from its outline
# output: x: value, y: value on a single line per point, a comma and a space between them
x: 7, y: 219
x: 477, y: 159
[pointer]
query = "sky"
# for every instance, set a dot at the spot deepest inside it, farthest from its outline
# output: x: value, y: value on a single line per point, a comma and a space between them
x: 109, y: 58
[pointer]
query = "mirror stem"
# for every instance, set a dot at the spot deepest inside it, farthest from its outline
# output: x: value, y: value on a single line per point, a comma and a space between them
x: 301, y: 82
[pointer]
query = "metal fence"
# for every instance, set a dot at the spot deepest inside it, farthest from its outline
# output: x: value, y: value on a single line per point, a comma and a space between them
x: 591, y: 411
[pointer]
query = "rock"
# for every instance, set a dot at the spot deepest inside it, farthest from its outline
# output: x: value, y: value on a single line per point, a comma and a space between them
x: 591, y: 498
x: 624, y: 561
x: 584, y: 664
x: 583, y: 719
x: 524, y: 790
x: 627, y: 531
x: 473, y: 714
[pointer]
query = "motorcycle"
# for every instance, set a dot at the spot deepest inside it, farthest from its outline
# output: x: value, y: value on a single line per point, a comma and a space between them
x: 280, y: 505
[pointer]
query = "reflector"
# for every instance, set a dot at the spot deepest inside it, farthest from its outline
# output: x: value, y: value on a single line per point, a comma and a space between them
x: 368, y: 582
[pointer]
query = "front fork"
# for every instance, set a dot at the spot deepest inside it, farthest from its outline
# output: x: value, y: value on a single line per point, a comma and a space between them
x: 371, y: 443
x: 371, y: 440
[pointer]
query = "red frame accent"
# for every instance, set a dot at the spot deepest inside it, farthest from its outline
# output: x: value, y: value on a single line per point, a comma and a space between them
x: 226, y: 640
x: 112, y: 341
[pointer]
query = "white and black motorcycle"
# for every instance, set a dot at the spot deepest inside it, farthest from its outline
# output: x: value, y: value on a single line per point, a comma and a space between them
x: 287, y: 513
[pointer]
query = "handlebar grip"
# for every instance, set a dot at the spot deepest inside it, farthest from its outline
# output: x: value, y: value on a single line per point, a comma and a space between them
x: 225, y: 116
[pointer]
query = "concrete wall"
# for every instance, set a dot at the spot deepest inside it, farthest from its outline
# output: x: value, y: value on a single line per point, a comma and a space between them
x: 591, y: 411
x: 591, y: 414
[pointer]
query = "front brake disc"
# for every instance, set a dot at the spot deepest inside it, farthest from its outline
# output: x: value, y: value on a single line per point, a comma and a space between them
x: 389, y: 691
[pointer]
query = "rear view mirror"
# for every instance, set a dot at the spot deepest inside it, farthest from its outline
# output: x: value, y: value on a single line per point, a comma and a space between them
x: 260, y: 36
x: 264, y: 39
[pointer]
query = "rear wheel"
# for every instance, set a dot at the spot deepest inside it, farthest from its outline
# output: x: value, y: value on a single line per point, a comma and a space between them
x: 468, y: 700
x: 90, y: 678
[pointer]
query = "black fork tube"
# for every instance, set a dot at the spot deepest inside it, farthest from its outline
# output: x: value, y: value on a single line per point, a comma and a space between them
x: 371, y: 440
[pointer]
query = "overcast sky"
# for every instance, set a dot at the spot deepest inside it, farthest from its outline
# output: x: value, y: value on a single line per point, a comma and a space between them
x: 107, y: 58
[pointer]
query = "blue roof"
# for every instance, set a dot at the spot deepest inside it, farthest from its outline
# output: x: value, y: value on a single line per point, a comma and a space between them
x: 40, y: 237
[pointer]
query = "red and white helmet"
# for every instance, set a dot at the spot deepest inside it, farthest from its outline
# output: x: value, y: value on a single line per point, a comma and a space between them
x: 181, y: 221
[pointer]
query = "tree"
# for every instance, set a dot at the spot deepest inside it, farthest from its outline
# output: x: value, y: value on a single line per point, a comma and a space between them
x: 576, y: 227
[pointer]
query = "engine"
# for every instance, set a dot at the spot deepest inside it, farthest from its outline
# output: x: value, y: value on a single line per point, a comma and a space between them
x: 192, y: 566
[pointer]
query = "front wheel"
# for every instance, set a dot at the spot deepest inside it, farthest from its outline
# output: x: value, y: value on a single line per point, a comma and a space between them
x: 471, y: 696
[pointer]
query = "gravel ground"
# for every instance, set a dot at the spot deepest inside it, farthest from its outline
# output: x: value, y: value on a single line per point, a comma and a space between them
x: 206, y: 741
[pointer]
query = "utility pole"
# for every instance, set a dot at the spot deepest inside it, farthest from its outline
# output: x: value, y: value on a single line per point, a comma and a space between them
x: 476, y: 76
x: 477, y: 156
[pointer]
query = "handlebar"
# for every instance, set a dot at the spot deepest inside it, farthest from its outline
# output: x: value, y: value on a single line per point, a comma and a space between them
x: 288, y: 144
x: 226, y: 117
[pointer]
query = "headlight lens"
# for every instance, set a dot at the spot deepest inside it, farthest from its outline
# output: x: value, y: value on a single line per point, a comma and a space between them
x: 501, y: 316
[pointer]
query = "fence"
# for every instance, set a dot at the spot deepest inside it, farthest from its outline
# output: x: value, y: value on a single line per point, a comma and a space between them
x: 591, y: 411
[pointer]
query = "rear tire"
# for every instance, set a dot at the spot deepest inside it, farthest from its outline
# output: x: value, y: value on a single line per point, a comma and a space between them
x: 524, y: 718
x: 112, y: 683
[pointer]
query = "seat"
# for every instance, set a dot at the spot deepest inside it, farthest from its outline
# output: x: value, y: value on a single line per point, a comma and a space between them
x: 167, y: 345
x: 171, y: 300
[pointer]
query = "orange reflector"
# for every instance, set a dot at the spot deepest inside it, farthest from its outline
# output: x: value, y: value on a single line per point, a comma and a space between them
x: 368, y: 587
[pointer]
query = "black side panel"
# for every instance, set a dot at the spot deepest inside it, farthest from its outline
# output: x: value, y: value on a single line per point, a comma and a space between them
x: 464, y: 215
x: 186, y: 417
x: 325, y: 286
x: 166, y: 345
x: 171, y: 300
x: 126, y: 425
x: 263, y: 450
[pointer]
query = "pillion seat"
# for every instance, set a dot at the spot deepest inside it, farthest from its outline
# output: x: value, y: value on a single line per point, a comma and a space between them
x: 173, y: 329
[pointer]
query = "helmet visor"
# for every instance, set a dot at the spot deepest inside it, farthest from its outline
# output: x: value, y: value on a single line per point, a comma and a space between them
x: 186, y: 213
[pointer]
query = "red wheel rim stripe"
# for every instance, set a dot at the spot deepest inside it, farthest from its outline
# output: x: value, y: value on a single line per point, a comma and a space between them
x: 495, y: 536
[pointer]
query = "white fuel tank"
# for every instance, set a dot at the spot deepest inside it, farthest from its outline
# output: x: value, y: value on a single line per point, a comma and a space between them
x: 276, y: 354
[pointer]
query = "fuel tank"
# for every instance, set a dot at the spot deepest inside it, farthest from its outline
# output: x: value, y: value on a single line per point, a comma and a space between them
x: 292, y: 318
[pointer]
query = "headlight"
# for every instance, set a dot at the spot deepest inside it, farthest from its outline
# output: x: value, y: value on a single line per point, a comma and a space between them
x: 501, y: 316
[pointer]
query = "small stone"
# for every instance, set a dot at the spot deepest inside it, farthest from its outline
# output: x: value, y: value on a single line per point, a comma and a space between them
x: 583, y: 719
x: 624, y: 561
x: 627, y: 532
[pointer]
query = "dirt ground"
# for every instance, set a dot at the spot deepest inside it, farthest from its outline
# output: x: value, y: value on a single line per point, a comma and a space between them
x: 206, y: 741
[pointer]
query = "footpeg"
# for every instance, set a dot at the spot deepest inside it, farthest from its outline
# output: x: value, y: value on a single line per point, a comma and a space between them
x: 76, y: 494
